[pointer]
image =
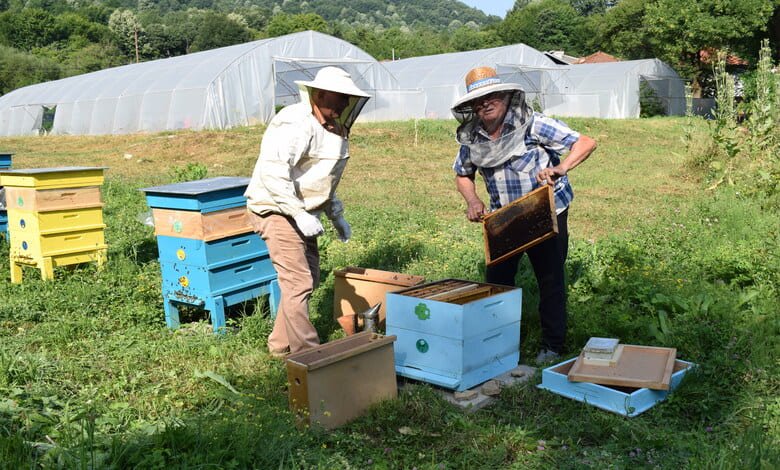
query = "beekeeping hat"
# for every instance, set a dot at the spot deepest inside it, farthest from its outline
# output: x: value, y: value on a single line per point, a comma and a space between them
x: 481, y: 81
x: 334, y: 79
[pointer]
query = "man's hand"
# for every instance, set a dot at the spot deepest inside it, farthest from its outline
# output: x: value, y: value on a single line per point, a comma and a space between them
x: 342, y: 228
x: 550, y: 175
x: 475, y: 210
x: 309, y: 225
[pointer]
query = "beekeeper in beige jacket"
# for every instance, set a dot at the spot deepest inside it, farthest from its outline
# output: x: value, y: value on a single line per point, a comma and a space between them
x: 302, y: 156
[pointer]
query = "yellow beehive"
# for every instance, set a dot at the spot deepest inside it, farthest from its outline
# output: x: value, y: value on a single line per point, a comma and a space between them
x: 55, y: 218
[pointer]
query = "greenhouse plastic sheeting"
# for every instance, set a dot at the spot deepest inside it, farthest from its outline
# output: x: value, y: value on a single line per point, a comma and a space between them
x: 603, y: 90
x: 214, y: 89
x: 442, y: 77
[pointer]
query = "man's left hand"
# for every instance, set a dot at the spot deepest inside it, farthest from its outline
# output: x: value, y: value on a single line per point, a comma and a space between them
x: 342, y: 228
x: 550, y: 175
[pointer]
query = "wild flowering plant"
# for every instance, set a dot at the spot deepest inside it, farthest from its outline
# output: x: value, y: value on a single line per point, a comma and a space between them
x: 745, y: 154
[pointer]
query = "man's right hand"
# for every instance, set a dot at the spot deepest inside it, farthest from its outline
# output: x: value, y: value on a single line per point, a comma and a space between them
x: 476, y: 210
x: 309, y: 225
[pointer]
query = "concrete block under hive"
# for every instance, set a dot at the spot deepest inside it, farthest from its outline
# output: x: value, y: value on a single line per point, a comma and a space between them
x: 455, y: 333
x: 358, y: 289
x: 336, y: 382
x: 520, y: 225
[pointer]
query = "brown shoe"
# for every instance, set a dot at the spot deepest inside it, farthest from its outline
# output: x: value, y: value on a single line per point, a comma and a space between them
x: 279, y: 353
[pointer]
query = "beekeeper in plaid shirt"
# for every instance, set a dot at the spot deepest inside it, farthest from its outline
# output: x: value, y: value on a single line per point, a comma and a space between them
x: 517, y: 150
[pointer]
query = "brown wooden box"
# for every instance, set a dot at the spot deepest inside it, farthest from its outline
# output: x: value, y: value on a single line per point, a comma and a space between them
x: 45, y: 200
x: 356, y: 290
x: 518, y: 226
x: 336, y: 382
x: 206, y: 226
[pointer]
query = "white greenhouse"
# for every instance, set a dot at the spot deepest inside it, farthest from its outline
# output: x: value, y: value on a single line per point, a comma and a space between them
x: 442, y: 76
x: 603, y: 90
x: 215, y: 89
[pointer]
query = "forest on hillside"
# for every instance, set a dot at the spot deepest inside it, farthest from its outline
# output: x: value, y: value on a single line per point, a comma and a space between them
x: 43, y: 40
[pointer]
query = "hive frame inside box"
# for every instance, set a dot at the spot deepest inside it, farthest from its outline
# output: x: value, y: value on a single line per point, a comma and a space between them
x: 623, y: 401
x: 520, y: 225
x: 451, y: 344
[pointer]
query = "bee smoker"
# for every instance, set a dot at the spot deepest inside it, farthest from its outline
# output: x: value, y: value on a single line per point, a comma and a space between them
x: 371, y: 318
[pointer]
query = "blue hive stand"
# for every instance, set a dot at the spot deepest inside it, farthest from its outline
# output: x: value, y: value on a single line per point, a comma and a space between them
x: 210, y: 274
x: 5, y: 163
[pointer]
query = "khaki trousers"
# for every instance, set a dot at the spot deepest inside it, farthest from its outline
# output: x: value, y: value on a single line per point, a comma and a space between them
x: 297, y: 262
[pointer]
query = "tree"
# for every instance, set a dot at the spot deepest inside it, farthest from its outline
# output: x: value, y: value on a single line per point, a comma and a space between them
x: 27, y: 29
x: 544, y: 25
x: 18, y: 69
x: 282, y: 24
x: 217, y: 30
x: 127, y: 30
x: 467, y: 39
x: 676, y: 31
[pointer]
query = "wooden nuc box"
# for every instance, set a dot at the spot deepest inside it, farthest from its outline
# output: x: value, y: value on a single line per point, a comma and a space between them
x: 358, y: 289
x: 336, y: 382
x: 520, y: 225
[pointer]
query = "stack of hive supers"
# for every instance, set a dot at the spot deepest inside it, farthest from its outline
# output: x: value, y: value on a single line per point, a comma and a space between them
x: 210, y: 256
x: 455, y: 333
x: 55, y: 218
x: 5, y: 163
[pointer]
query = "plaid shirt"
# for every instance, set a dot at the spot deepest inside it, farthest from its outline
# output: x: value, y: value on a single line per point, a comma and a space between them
x: 546, y: 140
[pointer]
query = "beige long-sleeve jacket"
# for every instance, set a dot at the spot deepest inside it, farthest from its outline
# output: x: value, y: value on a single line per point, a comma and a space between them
x: 299, y: 167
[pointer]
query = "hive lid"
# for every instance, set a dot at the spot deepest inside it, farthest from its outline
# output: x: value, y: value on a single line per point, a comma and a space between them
x: 638, y: 366
x: 340, y: 349
x: 60, y: 169
x: 194, y: 188
x: 376, y: 275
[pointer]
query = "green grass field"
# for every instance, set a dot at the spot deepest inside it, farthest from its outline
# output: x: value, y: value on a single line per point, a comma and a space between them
x: 90, y: 377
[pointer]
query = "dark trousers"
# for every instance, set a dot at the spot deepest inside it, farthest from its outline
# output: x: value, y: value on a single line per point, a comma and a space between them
x: 547, y: 259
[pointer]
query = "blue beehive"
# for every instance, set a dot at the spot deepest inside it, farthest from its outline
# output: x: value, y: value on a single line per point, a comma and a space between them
x: 215, y: 273
x: 5, y: 163
x: 454, y: 333
x: 622, y: 400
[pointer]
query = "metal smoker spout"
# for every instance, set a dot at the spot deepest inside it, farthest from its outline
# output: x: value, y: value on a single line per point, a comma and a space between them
x: 371, y: 318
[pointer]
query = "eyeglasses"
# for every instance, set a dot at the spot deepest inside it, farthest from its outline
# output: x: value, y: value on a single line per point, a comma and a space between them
x: 483, y: 101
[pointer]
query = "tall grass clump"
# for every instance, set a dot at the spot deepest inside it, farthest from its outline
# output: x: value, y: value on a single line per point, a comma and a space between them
x: 743, y: 150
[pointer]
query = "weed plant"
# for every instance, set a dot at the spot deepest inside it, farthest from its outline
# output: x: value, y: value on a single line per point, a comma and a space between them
x: 90, y: 377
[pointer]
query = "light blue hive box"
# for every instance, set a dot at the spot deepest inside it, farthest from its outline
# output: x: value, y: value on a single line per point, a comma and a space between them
x: 5, y: 163
x: 625, y: 401
x: 216, y: 273
x: 455, y: 343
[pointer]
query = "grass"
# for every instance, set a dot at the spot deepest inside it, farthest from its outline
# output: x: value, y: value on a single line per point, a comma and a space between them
x: 91, y: 378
